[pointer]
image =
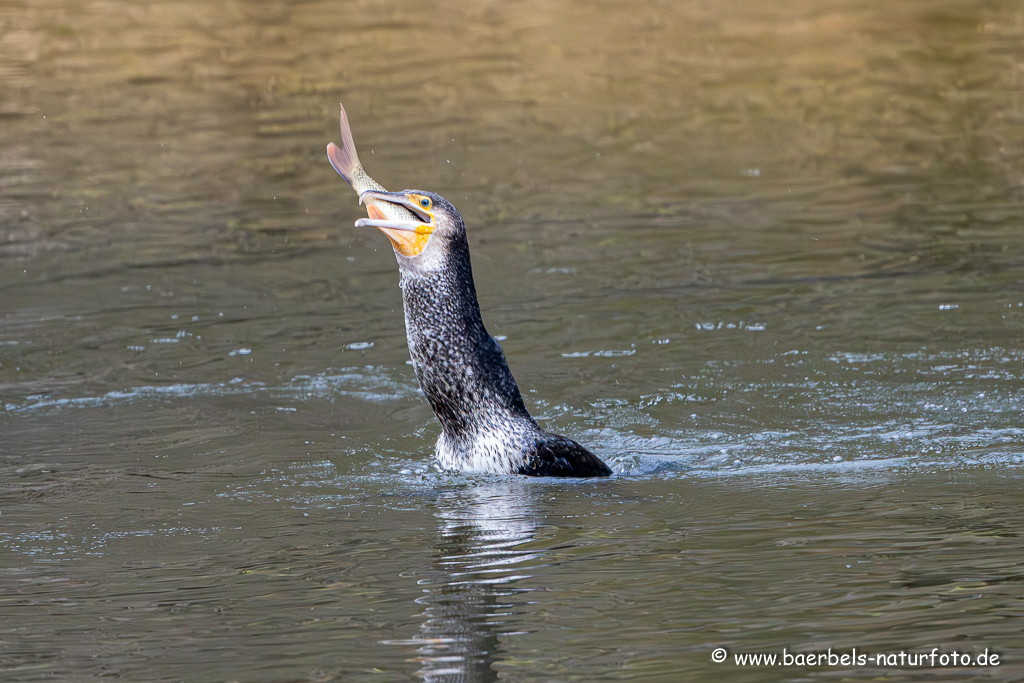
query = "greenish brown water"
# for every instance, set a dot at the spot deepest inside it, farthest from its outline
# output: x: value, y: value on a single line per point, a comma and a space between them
x: 766, y: 259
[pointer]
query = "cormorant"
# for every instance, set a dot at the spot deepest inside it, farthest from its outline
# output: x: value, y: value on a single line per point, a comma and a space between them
x: 485, y: 427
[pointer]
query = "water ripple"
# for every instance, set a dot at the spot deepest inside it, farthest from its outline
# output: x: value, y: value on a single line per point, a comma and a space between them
x: 371, y: 384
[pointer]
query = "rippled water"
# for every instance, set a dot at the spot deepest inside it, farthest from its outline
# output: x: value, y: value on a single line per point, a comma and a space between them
x: 767, y: 260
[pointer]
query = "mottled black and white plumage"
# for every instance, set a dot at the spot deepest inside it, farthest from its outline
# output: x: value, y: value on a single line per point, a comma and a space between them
x: 461, y: 368
x: 484, y: 425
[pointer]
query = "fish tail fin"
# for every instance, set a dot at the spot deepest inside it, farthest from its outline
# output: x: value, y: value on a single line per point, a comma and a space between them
x: 344, y: 159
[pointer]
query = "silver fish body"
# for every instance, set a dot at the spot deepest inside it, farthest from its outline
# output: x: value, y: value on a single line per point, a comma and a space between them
x: 345, y: 161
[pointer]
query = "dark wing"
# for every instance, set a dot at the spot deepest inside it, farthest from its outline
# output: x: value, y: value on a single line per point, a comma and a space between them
x: 558, y: 456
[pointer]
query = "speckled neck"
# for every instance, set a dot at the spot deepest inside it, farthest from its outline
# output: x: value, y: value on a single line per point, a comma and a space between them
x: 462, y: 370
x: 460, y: 367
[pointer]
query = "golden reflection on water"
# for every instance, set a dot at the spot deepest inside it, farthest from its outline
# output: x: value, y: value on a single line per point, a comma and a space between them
x: 614, y: 103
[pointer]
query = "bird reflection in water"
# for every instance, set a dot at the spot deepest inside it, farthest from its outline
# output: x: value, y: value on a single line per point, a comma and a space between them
x: 480, y: 563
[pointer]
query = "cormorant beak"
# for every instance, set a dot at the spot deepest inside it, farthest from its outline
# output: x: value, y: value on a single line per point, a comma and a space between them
x: 402, y: 199
x: 409, y: 237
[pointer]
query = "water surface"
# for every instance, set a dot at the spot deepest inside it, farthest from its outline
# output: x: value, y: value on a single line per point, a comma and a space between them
x: 768, y: 261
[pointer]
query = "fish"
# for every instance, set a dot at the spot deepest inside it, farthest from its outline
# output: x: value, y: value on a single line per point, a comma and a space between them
x: 345, y: 160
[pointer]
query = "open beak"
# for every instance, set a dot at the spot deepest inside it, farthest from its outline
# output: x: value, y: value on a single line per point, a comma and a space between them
x: 409, y: 236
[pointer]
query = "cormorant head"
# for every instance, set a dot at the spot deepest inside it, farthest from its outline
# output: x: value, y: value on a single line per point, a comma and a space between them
x: 421, y: 243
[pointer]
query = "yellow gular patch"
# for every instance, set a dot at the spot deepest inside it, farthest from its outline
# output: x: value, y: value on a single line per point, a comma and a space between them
x: 405, y: 243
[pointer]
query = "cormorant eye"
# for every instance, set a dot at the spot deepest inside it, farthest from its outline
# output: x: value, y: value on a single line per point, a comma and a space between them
x: 425, y: 202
